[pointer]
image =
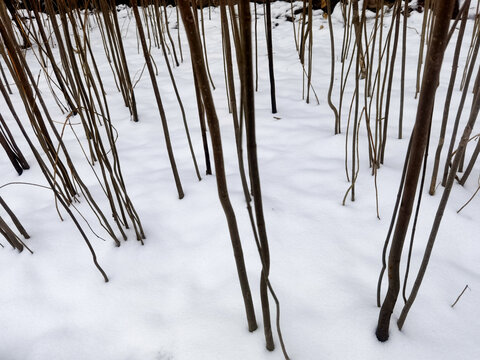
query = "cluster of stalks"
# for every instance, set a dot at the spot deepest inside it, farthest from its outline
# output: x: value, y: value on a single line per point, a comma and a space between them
x: 238, y: 28
x: 82, y: 89
x: 373, y: 52
x: 436, y: 34
x: 59, y: 37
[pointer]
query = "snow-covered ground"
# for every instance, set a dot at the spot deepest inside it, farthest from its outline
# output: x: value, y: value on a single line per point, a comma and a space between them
x: 178, y: 296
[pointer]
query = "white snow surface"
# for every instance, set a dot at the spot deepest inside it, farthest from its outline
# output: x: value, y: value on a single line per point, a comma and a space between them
x: 177, y: 297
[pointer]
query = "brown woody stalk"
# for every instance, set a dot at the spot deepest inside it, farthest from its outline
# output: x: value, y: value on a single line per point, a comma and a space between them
x: 213, y: 124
